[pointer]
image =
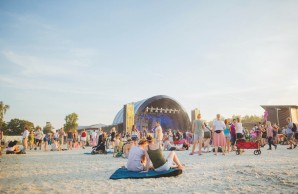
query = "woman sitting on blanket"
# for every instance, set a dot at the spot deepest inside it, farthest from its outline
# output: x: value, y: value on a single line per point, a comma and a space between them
x: 159, y: 162
x: 138, y: 159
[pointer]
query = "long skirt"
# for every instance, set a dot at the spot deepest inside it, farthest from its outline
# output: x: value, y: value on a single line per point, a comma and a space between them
x: 219, y: 139
x: 94, y: 142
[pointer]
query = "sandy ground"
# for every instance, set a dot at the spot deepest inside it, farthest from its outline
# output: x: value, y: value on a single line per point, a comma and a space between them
x: 72, y: 171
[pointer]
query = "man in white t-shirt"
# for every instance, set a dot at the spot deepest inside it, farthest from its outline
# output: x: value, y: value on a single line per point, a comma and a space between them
x: 38, y: 138
x: 158, y: 133
x: 25, y: 138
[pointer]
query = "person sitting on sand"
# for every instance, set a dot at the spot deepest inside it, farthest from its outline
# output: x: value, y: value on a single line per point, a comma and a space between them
x: 127, y: 147
x: 138, y: 159
x: 54, y: 146
x: 160, y: 163
x: 13, y: 148
x: 169, y: 147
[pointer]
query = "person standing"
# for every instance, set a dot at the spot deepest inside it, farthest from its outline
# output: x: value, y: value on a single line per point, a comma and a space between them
x: 233, y: 134
x: 31, y: 139
x: 70, y: 138
x: 83, y: 138
x: 219, y: 139
x: 198, y: 134
x: 61, y: 139
x: 94, y: 138
x: 56, y: 135
x: 290, y: 134
x: 113, y: 134
x: 269, y: 131
x: 135, y: 135
x: 207, y: 137
x: 25, y: 139
x: 38, y: 138
x: 227, y: 135
x: 239, y: 129
x: 158, y: 133
x: 1, y: 141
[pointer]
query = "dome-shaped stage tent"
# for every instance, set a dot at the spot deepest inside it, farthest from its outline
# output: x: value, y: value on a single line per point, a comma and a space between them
x: 158, y: 108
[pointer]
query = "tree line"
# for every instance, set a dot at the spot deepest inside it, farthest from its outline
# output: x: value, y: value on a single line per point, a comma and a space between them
x: 16, y: 126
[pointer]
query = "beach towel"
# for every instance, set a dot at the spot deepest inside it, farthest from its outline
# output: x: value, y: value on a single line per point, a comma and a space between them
x: 90, y: 153
x: 123, y: 173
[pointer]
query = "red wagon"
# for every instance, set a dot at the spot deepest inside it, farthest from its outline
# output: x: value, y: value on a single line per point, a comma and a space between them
x: 242, y: 144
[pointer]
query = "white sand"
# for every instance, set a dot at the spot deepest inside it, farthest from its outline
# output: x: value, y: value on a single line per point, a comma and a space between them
x: 273, y: 171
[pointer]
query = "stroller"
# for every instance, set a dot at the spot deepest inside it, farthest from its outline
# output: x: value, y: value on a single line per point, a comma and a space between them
x: 100, y: 148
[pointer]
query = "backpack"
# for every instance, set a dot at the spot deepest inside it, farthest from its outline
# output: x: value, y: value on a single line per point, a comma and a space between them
x: 294, y: 129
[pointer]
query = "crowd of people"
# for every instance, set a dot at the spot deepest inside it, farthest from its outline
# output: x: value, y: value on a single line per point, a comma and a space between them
x: 53, y: 141
x: 221, y: 135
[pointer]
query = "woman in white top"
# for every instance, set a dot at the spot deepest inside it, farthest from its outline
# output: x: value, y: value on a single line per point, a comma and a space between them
x: 239, y: 129
x: 138, y: 159
x: 218, y: 135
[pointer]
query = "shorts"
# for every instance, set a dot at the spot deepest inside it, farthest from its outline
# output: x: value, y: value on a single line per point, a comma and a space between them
x: 289, y: 136
x: 83, y: 138
x: 165, y: 167
x: 39, y: 141
x: 61, y: 141
x: 134, y: 138
x: 239, y: 135
x: 69, y: 139
x: 228, y: 136
x: 207, y: 134
x: 172, y: 149
x: 197, y: 137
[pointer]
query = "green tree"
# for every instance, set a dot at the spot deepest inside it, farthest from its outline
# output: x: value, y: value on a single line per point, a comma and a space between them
x: 16, y: 127
x: 48, y: 128
x: 71, y: 122
x: 252, y: 119
x: 3, y: 109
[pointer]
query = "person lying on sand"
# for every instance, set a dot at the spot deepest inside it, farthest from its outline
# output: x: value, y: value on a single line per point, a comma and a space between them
x: 169, y: 147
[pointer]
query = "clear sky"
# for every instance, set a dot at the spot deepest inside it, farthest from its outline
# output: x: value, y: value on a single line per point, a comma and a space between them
x: 92, y: 57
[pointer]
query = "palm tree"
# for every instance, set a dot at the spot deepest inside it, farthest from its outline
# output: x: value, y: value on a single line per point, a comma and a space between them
x: 3, y: 109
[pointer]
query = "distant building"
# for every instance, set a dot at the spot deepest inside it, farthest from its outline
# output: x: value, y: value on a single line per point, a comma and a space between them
x: 279, y: 113
x: 90, y: 128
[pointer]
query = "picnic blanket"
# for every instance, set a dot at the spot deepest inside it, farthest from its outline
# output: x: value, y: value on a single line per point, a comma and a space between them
x: 123, y: 173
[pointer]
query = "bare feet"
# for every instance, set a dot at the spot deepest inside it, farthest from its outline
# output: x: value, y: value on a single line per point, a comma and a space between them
x: 181, y: 167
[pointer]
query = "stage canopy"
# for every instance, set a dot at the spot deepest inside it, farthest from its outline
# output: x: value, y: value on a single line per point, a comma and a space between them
x: 163, y: 108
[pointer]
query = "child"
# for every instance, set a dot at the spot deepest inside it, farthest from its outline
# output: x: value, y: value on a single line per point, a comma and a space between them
x: 116, y: 144
x: 54, y: 146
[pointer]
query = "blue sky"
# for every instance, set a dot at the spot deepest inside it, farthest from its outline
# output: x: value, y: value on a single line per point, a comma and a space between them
x: 92, y: 57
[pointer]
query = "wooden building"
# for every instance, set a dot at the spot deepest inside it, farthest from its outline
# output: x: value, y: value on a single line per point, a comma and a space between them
x: 279, y: 113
